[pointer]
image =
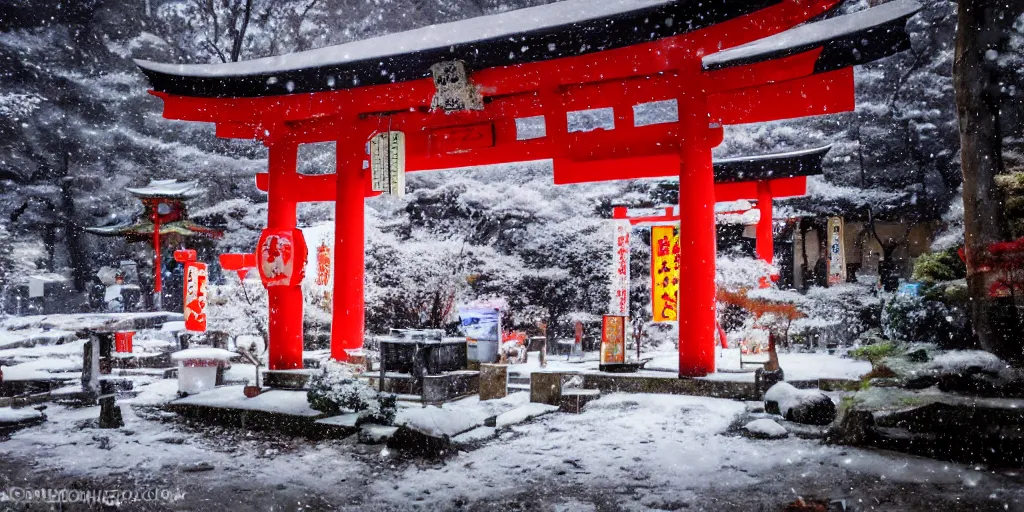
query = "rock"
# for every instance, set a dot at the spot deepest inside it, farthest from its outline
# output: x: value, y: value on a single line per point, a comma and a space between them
x: 197, y: 467
x: 764, y: 379
x: 855, y: 428
x: 765, y: 428
x: 375, y: 434
x: 172, y: 440
x: 885, y: 383
x: 982, y: 382
x: 917, y: 356
x: 811, y: 407
x: 921, y: 382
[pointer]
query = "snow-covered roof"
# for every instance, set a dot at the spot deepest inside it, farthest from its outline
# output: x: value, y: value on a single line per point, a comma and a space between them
x: 855, y: 38
x: 827, y: 198
x: 805, y: 162
x: 209, y: 353
x: 171, y: 189
x: 143, y: 229
x: 559, y: 29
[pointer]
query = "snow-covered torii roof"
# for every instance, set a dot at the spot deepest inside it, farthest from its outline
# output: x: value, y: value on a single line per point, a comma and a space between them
x: 847, y: 40
x: 805, y: 162
x: 560, y: 29
x: 168, y: 189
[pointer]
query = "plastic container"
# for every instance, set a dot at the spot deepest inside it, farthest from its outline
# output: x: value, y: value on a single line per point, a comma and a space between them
x: 486, y: 351
x: 197, y: 368
x: 193, y: 379
x: 123, y: 341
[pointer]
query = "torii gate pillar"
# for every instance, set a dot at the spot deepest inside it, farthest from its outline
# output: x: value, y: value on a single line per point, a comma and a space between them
x: 349, y: 309
x: 284, y: 299
x: 765, y: 237
x: 696, y: 235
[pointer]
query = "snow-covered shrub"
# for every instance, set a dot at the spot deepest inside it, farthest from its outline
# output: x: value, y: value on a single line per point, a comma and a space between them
x: 239, y: 308
x: 840, y: 312
x: 919, y: 319
x: 938, y: 266
x: 335, y: 388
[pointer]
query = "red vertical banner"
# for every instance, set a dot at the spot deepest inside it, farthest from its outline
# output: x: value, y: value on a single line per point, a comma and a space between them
x: 665, y: 255
x: 613, y: 339
x: 195, y: 296
x: 323, y: 264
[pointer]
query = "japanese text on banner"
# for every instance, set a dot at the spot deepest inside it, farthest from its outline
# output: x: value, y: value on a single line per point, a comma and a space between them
x: 620, y: 270
x: 665, y: 273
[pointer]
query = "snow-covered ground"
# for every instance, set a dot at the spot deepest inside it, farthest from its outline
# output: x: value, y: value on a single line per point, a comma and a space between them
x: 798, y: 366
x: 624, y: 452
x: 46, y: 346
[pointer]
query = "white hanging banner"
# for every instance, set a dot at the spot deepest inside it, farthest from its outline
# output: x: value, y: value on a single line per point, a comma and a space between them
x: 836, y: 252
x: 387, y: 163
x: 620, y: 269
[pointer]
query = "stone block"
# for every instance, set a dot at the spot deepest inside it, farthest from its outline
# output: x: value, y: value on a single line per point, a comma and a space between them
x: 286, y: 379
x: 546, y: 387
x: 444, y: 387
x: 573, y: 400
x: 493, y: 381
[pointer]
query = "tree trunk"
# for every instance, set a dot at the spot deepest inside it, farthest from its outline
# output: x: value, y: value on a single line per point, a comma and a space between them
x: 982, y: 27
x: 77, y: 254
x: 236, y: 46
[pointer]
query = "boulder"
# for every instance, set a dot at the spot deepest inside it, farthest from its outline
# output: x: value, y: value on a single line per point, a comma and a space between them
x: 855, y: 428
x: 807, y: 406
x: 765, y: 428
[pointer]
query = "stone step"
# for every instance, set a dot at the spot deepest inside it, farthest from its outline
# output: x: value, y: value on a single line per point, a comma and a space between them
x: 574, y: 399
x: 514, y: 388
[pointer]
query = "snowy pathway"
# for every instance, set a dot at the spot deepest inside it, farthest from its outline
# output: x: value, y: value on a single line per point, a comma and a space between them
x: 625, y: 452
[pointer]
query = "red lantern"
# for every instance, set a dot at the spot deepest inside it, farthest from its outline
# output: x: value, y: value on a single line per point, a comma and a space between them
x: 281, y: 255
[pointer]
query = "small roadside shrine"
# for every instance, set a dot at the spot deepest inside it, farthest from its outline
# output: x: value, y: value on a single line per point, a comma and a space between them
x: 571, y: 82
x: 163, y: 220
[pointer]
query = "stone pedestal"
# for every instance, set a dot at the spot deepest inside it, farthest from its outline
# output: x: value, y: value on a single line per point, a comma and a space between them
x: 546, y: 387
x: 91, y: 371
x: 286, y: 379
x: 110, y: 414
x: 493, y: 381
x: 438, y: 389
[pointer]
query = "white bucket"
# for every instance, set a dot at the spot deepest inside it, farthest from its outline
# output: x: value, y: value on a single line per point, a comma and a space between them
x: 193, y: 379
x: 486, y: 351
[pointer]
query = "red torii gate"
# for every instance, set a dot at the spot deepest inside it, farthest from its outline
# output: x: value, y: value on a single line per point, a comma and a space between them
x: 543, y: 61
x: 761, y: 178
